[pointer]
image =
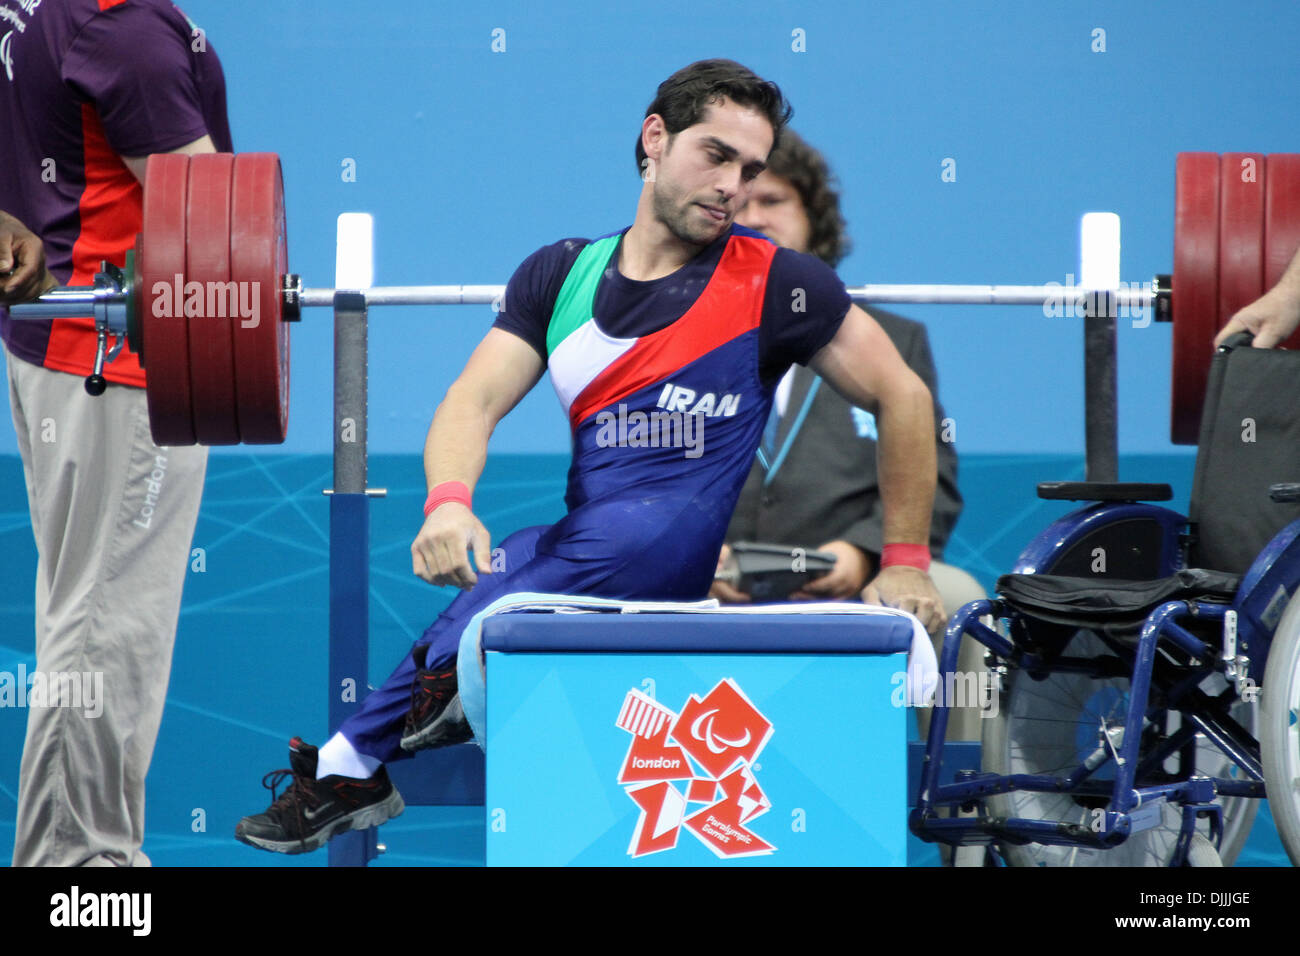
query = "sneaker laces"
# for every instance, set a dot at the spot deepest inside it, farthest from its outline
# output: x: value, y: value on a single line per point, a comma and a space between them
x: 298, y: 793
x: 413, y: 712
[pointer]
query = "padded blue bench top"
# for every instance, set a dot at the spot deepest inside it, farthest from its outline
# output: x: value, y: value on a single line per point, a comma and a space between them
x: 685, y: 633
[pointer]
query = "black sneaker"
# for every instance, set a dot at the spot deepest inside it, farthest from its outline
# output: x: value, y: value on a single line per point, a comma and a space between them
x: 436, y: 718
x: 312, y: 811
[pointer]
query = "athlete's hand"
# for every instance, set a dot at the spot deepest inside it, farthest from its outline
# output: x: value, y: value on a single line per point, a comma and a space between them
x: 1271, y: 319
x: 440, y: 552
x: 908, y: 589
x: 23, y: 275
x: 844, y: 580
x: 724, y: 591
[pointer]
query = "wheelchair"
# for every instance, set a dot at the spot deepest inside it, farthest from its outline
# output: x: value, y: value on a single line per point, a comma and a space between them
x: 1145, y: 665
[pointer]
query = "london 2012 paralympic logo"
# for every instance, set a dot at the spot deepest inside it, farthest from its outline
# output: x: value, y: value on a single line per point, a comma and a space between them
x: 711, y: 748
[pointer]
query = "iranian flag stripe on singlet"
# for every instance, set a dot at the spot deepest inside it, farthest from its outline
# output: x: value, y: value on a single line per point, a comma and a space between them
x: 576, y: 349
x: 590, y: 370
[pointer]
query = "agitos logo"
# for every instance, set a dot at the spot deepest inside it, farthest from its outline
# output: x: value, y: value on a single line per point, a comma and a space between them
x: 711, y: 747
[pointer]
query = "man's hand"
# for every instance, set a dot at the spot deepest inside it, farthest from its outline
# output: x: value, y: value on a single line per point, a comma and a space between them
x: 1271, y: 319
x: 908, y: 589
x: 723, y: 590
x: 23, y: 275
x: 440, y: 552
x: 844, y: 580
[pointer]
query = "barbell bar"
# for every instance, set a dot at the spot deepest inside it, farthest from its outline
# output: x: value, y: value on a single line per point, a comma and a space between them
x: 878, y: 294
x: 206, y: 295
x: 77, y: 302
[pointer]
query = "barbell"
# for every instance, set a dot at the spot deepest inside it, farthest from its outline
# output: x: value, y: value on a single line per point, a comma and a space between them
x: 205, y: 297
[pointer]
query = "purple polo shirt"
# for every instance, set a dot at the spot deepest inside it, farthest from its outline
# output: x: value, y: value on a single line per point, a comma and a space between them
x: 82, y: 83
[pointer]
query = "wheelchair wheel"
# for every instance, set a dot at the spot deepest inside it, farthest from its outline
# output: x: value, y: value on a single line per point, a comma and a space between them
x: 1279, y: 733
x: 1050, y: 726
x: 1202, y: 852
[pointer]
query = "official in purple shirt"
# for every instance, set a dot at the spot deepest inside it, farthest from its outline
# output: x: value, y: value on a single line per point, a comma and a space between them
x: 88, y: 89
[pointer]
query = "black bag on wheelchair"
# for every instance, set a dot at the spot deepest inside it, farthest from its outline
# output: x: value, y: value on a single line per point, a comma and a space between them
x: 1116, y: 606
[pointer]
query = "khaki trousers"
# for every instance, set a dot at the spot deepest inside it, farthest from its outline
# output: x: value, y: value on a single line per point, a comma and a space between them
x: 113, y: 516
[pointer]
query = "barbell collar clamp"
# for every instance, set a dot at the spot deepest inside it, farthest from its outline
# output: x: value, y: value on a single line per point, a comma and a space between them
x: 105, y: 301
x: 291, y: 297
x: 95, y: 382
x: 1163, y: 286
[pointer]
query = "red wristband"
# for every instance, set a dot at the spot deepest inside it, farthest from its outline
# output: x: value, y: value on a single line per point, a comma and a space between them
x: 911, y: 555
x: 447, y: 491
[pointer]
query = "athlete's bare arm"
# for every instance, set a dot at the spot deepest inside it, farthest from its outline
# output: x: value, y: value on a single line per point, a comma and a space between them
x: 138, y: 164
x: 862, y: 364
x: 502, y: 370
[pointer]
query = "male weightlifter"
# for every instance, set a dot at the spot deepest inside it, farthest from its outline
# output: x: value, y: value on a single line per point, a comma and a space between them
x: 682, y: 312
x: 90, y: 89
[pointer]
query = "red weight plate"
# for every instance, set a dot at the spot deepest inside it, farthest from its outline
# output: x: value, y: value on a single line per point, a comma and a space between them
x: 1281, y: 221
x: 213, y: 305
x: 1242, y: 180
x: 259, y: 256
x: 1195, y: 299
x: 162, y: 283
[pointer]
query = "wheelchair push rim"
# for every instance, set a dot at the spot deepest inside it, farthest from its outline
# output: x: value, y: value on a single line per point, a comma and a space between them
x: 1280, y: 729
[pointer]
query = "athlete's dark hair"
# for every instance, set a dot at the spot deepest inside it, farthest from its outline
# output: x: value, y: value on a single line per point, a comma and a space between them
x: 682, y: 98
x: 808, y: 172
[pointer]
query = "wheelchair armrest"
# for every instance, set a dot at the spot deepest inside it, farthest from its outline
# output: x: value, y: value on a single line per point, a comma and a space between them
x: 1104, y: 491
x: 1289, y: 491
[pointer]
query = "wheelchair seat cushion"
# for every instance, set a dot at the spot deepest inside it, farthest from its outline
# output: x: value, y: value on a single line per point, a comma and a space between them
x: 1107, y: 602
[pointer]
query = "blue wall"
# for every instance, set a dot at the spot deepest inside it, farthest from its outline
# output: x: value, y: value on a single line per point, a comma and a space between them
x: 471, y: 159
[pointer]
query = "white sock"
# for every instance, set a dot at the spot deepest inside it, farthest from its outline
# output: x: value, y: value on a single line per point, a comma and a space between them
x: 338, y: 756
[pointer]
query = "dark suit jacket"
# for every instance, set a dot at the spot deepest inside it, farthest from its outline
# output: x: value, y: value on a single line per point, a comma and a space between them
x: 827, y: 488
